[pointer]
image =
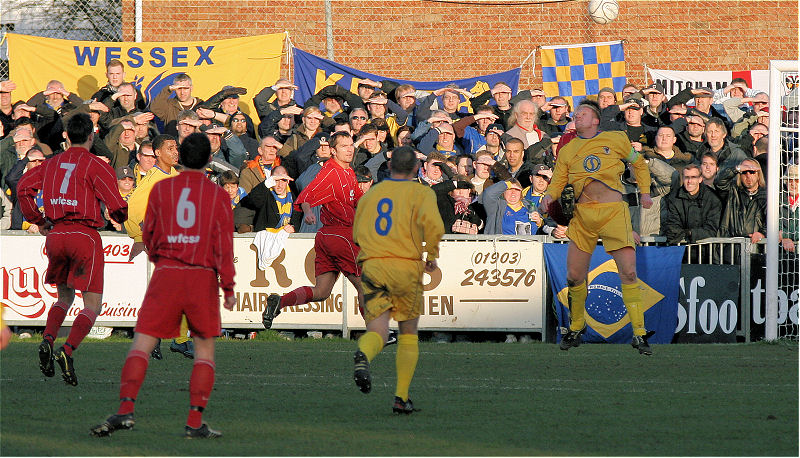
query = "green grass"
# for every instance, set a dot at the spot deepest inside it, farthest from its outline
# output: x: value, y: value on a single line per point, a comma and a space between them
x: 298, y: 398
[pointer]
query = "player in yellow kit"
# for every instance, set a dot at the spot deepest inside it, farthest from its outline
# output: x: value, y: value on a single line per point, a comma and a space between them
x: 166, y: 151
x: 593, y: 163
x: 392, y: 221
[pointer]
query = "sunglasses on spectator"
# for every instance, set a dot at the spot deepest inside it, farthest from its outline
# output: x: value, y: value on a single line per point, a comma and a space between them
x: 363, y: 118
x: 749, y: 172
x: 238, y: 120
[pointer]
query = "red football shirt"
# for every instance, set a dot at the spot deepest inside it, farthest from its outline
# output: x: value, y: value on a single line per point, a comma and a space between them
x: 189, y: 219
x: 73, y: 183
x: 336, y: 189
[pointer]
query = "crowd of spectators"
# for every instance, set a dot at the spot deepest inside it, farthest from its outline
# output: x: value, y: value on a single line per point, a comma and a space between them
x: 488, y: 156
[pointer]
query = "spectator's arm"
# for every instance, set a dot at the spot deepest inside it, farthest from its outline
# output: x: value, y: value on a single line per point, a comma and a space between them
x: 479, y: 100
x: 424, y: 109
x: 160, y: 104
x: 713, y: 215
x: 426, y: 144
x: 261, y: 102
x: 461, y: 125
x: 236, y: 150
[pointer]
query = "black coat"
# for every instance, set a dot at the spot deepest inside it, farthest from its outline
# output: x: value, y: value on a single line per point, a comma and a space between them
x: 262, y: 202
x: 446, y: 206
x: 742, y: 213
x: 691, y: 218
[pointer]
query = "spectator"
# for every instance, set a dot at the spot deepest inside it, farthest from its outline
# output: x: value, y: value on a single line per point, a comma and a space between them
x: 745, y: 196
x: 473, y: 138
x: 33, y: 158
x: 187, y: 123
x: 404, y: 136
x: 483, y: 164
x: 524, y: 128
x: 455, y: 198
x: 364, y: 178
x: 464, y: 165
x: 430, y: 173
x: 692, y: 139
x: 258, y: 169
x: 312, y: 117
x: 639, y: 134
x: 734, y: 106
x: 760, y: 148
x: 501, y: 94
x: 666, y: 150
x: 121, y: 103
x: 145, y: 160
x: 224, y: 105
x: 709, y: 167
x: 358, y: 118
x: 505, y: 212
x: 271, y: 200
x: 728, y: 154
x: 556, y: 118
x: 442, y: 140
x: 275, y: 97
x: 514, y: 161
x: 239, y: 128
x: 761, y: 116
x: 655, y: 114
x: 125, y: 182
x: 451, y: 99
x: 167, y: 107
x: 121, y: 142
x: 230, y: 183
x: 320, y: 155
x: 6, y: 109
x: 647, y: 221
x: 115, y: 76
x: 692, y: 211
x: 494, y: 145
x: 377, y: 107
x: 50, y: 106
x: 367, y: 145
x: 790, y: 203
x: 6, y: 208
x: 609, y: 110
x: 230, y: 150
x: 532, y: 195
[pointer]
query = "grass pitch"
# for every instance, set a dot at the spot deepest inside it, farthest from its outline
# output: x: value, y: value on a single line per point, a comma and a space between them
x: 298, y: 398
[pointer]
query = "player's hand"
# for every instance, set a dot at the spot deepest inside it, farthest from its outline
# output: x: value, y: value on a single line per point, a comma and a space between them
x: 646, y: 200
x: 136, y: 248
x: 560, y: 232
x: 310, y: 219
x: 229, y: 302
x: 637, y: 238
x: 430, y: 265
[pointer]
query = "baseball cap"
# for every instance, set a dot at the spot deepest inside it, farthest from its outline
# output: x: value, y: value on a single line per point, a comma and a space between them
x: 124, y: 172
x: 232, y: 95
x: 495, y: 128
x: 655, y: 87
x: 542, y: 170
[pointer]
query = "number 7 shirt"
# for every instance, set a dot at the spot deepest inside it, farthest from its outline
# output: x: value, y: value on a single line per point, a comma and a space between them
x: 73, y: 183
x: 189, y: 219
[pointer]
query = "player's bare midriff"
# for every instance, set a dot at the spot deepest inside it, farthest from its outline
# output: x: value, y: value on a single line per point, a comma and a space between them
x: 597, y: 192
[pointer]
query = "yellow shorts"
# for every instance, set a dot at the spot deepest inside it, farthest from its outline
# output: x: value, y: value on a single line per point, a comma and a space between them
x: 392, y: 284
x: 610, y: 221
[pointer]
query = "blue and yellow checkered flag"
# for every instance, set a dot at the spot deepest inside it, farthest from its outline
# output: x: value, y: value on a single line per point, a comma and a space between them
x: 575, y: 71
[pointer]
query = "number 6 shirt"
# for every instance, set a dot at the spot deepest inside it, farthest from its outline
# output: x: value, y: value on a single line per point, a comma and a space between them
x: 189, y: 219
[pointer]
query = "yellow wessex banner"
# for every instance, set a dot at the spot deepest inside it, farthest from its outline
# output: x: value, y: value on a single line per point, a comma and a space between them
x: 250, y: 62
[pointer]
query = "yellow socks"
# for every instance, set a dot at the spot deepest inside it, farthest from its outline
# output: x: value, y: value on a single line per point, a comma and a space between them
x: 406, y: 363
x: 577, y: 306
x: 371, y: 343
x: 184, y: 331
x: 632, y: 296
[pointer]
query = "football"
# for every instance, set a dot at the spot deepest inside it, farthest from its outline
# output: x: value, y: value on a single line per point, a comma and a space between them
x: 603, y: 11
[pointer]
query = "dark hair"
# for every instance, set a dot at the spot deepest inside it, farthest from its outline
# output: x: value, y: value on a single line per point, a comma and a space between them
x: 23, y: 121
x: 195, y: 151
x: 160, y: 139
x: 228, y: 177
x: 79, y: 128
x: 717, y: 122
x: 147, y: 143
x: 367, y: 129
x: 762, y: 144
x: 334, y: 138
x: 404, y: 159
x: 712, y: 155
x: 739, y: 80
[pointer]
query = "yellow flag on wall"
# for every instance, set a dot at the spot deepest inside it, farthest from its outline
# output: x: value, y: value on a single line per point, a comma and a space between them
x: 250, y: 62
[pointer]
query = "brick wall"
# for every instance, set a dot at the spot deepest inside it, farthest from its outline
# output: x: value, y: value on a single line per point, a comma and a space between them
x: 430, y: 40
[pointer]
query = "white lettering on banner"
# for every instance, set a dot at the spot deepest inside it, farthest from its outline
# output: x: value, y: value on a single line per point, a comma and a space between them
x: 785, y: 312
x: 726, y: 316
x: 675, y: 81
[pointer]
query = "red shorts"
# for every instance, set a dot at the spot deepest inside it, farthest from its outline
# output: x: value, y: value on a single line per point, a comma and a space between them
x: 336, y: 252
x: 177, y: 289
x: 76, y: 259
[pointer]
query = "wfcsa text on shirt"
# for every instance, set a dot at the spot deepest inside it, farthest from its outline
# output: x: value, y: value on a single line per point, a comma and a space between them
x: 63, y: 201
x: 183, y: 238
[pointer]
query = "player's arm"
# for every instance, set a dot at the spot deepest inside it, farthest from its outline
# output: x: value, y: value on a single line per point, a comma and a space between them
x: 27, y: 188
x: 104, y: 182
x: 319, y: 191
x: 642, y: 174
x: 560, y: 179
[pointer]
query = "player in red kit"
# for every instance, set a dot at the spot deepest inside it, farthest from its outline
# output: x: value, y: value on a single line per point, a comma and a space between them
x: 335, y: 188
x: 188, y: 236
x: 72, y: 183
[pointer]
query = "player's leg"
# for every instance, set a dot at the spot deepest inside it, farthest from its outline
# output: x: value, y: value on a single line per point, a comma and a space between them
x: 577, y: 268
x: 632, y: 295
x: 92, y: 304
x: 200, y: 385
x: 406, y: 364
x: 322, y: 288
x: 369, y: 345
x: 182, y: 344
x: 131, y: 379
x: 55, y: 318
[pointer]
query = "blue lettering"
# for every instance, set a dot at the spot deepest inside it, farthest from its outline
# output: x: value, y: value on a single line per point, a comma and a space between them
x: 205, y: 55
x: 113, y: 53
x: 135, y: 55
x: 82, y: 53
x: 158, y: 59
x: 179, y: 53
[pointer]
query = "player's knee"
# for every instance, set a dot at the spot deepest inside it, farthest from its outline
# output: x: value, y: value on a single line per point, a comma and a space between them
x: 627, y: 275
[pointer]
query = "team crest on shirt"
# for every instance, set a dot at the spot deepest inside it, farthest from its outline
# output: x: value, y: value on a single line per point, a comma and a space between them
x: 591, y: 163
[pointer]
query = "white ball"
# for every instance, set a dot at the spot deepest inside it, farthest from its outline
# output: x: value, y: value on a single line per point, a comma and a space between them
x: 603, y: 11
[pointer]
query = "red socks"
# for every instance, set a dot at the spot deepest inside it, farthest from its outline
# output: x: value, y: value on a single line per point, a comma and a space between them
x: 133, y: 373
x: 200, y: 386
x: 55, y: 318
x: 80, y: 328
x: 301, y: 295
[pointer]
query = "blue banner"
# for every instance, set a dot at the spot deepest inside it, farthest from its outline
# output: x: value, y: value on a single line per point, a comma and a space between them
x: 659, y: 270
x: 312, y: 73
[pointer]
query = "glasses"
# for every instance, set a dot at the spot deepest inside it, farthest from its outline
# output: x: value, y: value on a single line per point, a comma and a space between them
x: 363, y: 118
x: 237, y: 120
x: 749, y: 172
